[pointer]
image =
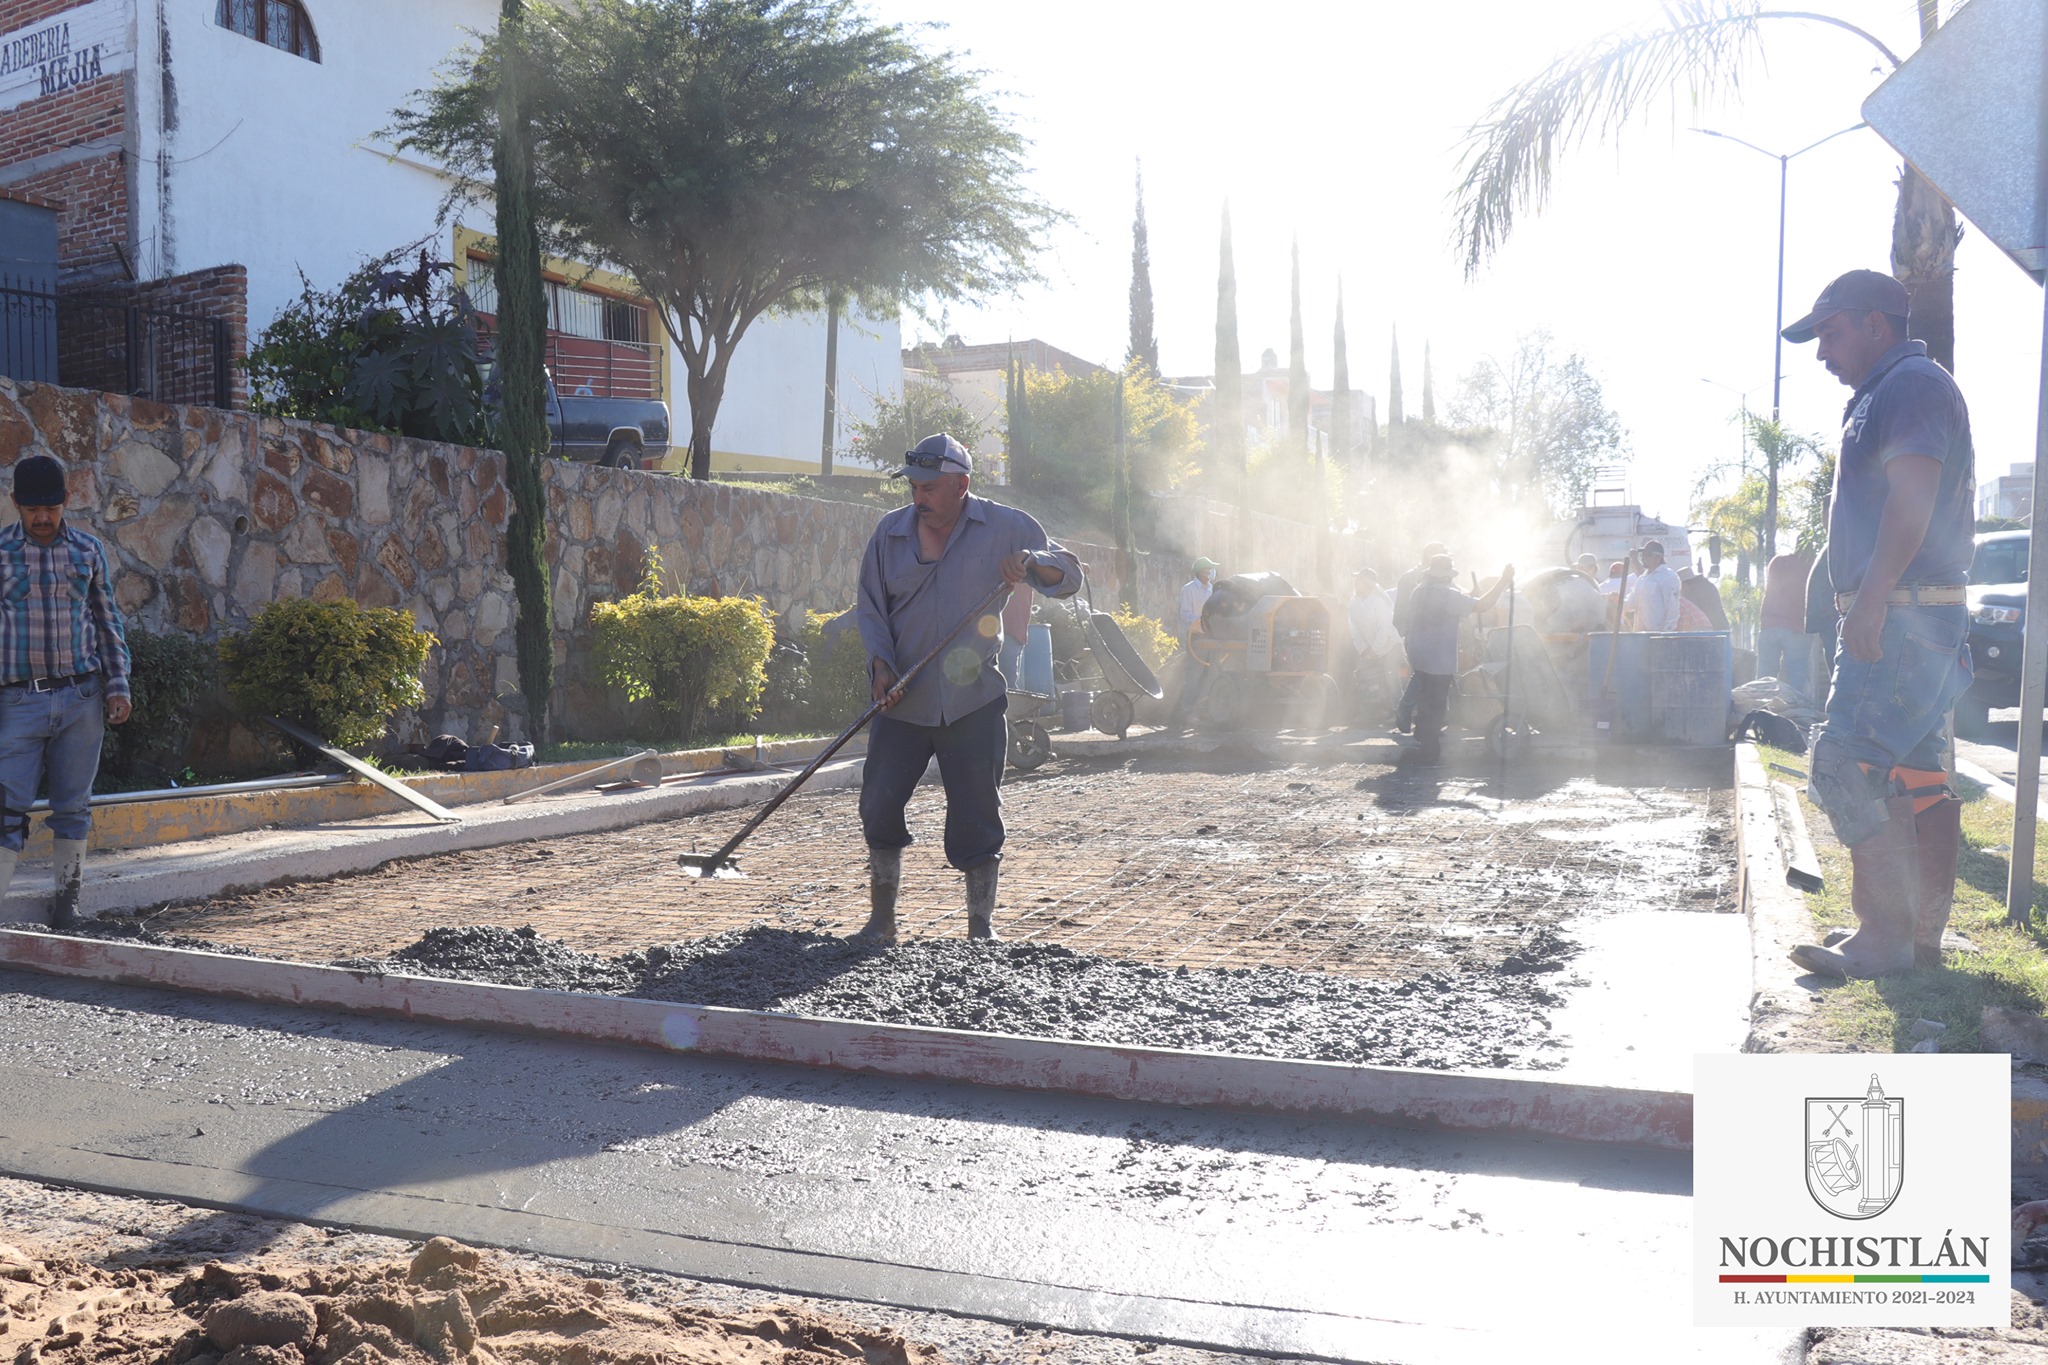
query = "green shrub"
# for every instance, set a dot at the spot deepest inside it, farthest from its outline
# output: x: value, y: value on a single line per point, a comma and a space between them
x: 692, y: 657
x: 1155, y: 645
x: 336, y: 668
x: 389, y: 349
x: 836, y: 673
x: 168, y: 676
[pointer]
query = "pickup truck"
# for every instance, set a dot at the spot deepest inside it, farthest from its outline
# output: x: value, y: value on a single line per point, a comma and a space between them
x: 619, y: 433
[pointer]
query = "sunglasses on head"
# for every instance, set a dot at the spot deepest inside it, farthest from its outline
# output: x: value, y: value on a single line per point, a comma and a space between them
x: 926, y: 461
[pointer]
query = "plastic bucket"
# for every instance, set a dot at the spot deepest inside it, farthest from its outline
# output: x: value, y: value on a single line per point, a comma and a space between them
x: 1667, y: 687
x: 1038, y: 660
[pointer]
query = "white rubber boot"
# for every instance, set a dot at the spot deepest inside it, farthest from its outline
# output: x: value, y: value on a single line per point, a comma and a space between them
x: 68, y: 869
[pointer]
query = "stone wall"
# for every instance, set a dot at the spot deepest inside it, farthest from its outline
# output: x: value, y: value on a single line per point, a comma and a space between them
x: 209, y: 515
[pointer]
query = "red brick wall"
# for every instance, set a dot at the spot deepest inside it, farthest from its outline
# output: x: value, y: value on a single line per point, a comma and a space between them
x: 175, y: 362
x: 219, y: 292
x: 16, y: 14
x: 94, y: 227
x: 92, y: 224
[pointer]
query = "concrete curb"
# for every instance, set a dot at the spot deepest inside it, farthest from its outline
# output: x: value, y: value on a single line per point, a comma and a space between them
x: 1516, y: 1102
x: 1990, y: 781
x: 140, y: 878
x: 1778, y: 918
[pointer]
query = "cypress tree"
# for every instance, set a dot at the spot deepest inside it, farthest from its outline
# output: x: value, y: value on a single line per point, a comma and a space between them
x: 1297, y: 362
x: 1341, y: 439
x: 1394, y: 417
x: 1428, y: 389
x: 522, y: 341
x: 1144, y: 341
x: 1020, y: 441
x: 1120, y: 495
x: 1227, y: 427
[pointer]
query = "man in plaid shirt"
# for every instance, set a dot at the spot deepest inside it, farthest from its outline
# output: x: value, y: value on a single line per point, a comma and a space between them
x: 63, y: 675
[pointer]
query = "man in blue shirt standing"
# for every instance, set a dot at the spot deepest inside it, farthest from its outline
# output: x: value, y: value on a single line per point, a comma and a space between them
x: 1900, y: 535
x: 1436, y: 612
x: 63, y: 675
x: 925, y: 567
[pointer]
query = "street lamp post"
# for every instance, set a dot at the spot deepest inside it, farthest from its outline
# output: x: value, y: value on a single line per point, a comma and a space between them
x: 1784, y: 160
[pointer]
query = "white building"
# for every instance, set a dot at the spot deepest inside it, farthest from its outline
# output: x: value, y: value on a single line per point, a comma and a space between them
x: 184, y: 135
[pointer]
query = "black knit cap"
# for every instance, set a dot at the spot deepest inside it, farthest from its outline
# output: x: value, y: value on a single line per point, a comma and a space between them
x: 39, y: 482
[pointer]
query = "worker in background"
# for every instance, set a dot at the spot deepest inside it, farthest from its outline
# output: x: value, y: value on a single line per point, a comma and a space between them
x: 1901, y: 531
x: 924, y: 568
x: 1436, y: 611
x: 1590, y: 567
x: 1376, y: 646
x: 1404, y: 598
x: 1194, y: 675
x: 1698, y: 593
x: 1654, y: 596
x: 1782, y: 648
x: 1194, y: 594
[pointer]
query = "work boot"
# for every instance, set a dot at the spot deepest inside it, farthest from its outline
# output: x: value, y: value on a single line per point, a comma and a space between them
x: 1884, y: 891
x: 67, y: 867
x: 1940, y: 830
x: 981, y: 901
x: 885, y: 880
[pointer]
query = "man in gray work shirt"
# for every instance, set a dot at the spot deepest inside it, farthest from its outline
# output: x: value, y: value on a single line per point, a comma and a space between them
x: 924, y: 569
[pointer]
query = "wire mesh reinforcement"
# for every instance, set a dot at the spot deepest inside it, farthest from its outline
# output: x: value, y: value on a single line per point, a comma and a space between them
x: 1325, y: 869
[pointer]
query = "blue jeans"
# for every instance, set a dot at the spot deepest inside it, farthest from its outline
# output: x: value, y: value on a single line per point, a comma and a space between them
x: 970, y: 750
x: 53, y: 736
x: 1784, y: 654
x: 1878, y: 713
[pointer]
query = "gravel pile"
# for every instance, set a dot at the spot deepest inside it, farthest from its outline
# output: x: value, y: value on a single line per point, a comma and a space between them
x: 1436, y: 1019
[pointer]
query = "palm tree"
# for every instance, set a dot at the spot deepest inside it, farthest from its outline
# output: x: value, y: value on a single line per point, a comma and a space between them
x: 1704, y: 47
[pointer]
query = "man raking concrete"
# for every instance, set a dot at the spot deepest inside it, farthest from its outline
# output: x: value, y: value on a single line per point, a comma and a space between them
x: 1900, y: 536
x: 925, y: 565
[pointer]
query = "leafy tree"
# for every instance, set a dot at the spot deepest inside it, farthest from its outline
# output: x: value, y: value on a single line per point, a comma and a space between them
x: 1073, y: 426
x: 1545, y: 422
x: 1297, y: 362
x: 1144, y: 341
x: 1703, y: 48
x: 897, y: 424
x: 743, y: 156
x: 522, y: 383
x: 1737, y: 516
x: 1781, y: 453
x: 389, y: 349
x: 1226, y: 437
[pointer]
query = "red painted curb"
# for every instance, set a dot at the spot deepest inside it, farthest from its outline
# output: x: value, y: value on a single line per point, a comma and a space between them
x: 1490, y: 1100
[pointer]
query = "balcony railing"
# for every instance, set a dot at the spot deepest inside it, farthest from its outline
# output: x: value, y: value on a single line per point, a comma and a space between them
x: 584, y: 367
x: 90, y: 342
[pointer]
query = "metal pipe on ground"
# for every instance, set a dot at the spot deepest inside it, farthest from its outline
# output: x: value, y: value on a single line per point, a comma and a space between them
x: 263, y: 784
x: 583, y: 776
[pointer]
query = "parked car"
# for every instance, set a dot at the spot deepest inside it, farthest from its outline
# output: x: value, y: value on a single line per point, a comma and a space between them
x: 1998, y: 612
x: 621, y: 433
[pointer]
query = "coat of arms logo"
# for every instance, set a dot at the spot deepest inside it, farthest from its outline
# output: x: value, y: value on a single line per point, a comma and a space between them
x: 1855, y: 1151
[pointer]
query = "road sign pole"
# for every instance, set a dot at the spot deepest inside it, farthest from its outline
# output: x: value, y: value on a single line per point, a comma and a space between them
x: 2019, y: 883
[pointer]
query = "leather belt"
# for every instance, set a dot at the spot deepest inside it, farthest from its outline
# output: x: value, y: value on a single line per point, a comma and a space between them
x: 1915, y: 595
x: 50, y: 684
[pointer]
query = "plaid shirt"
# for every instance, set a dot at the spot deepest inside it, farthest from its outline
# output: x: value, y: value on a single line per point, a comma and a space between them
x: 57, y: 614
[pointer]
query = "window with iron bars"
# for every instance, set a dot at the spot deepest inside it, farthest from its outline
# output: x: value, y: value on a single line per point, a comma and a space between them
x: 572, y: 312
x: 280, y: 24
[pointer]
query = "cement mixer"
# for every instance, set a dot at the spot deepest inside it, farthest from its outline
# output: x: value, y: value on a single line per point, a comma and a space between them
x: 1266, y: 649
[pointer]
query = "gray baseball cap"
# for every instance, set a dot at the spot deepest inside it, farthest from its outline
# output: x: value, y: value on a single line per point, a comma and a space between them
x: 1859, y: 291
x: 935, y: 455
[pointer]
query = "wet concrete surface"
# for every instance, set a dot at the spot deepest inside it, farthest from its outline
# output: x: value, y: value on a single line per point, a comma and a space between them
x: 1215, y: 899
x: 1438, y: 1019
x: 1298, y: 1237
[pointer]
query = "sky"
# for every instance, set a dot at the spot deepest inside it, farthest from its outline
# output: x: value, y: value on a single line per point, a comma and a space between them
x: 1339, y: 124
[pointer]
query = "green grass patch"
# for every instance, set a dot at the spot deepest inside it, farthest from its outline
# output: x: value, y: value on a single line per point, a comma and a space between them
x: 2009, y: 970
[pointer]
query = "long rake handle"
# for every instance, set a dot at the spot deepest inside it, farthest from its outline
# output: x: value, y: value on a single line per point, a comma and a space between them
x: 895, y: 693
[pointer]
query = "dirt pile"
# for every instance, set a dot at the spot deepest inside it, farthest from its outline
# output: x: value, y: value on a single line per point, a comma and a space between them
x: 1440, y: 1019
x: 447, y: 1305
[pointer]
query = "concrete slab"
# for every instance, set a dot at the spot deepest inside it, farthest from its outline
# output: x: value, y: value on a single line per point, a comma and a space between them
x: 1322, y: 1239
x: 1661, y: 987
x: 1526, y: 1103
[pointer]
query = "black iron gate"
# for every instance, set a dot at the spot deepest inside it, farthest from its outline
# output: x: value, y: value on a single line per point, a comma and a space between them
x: 118, y: 346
